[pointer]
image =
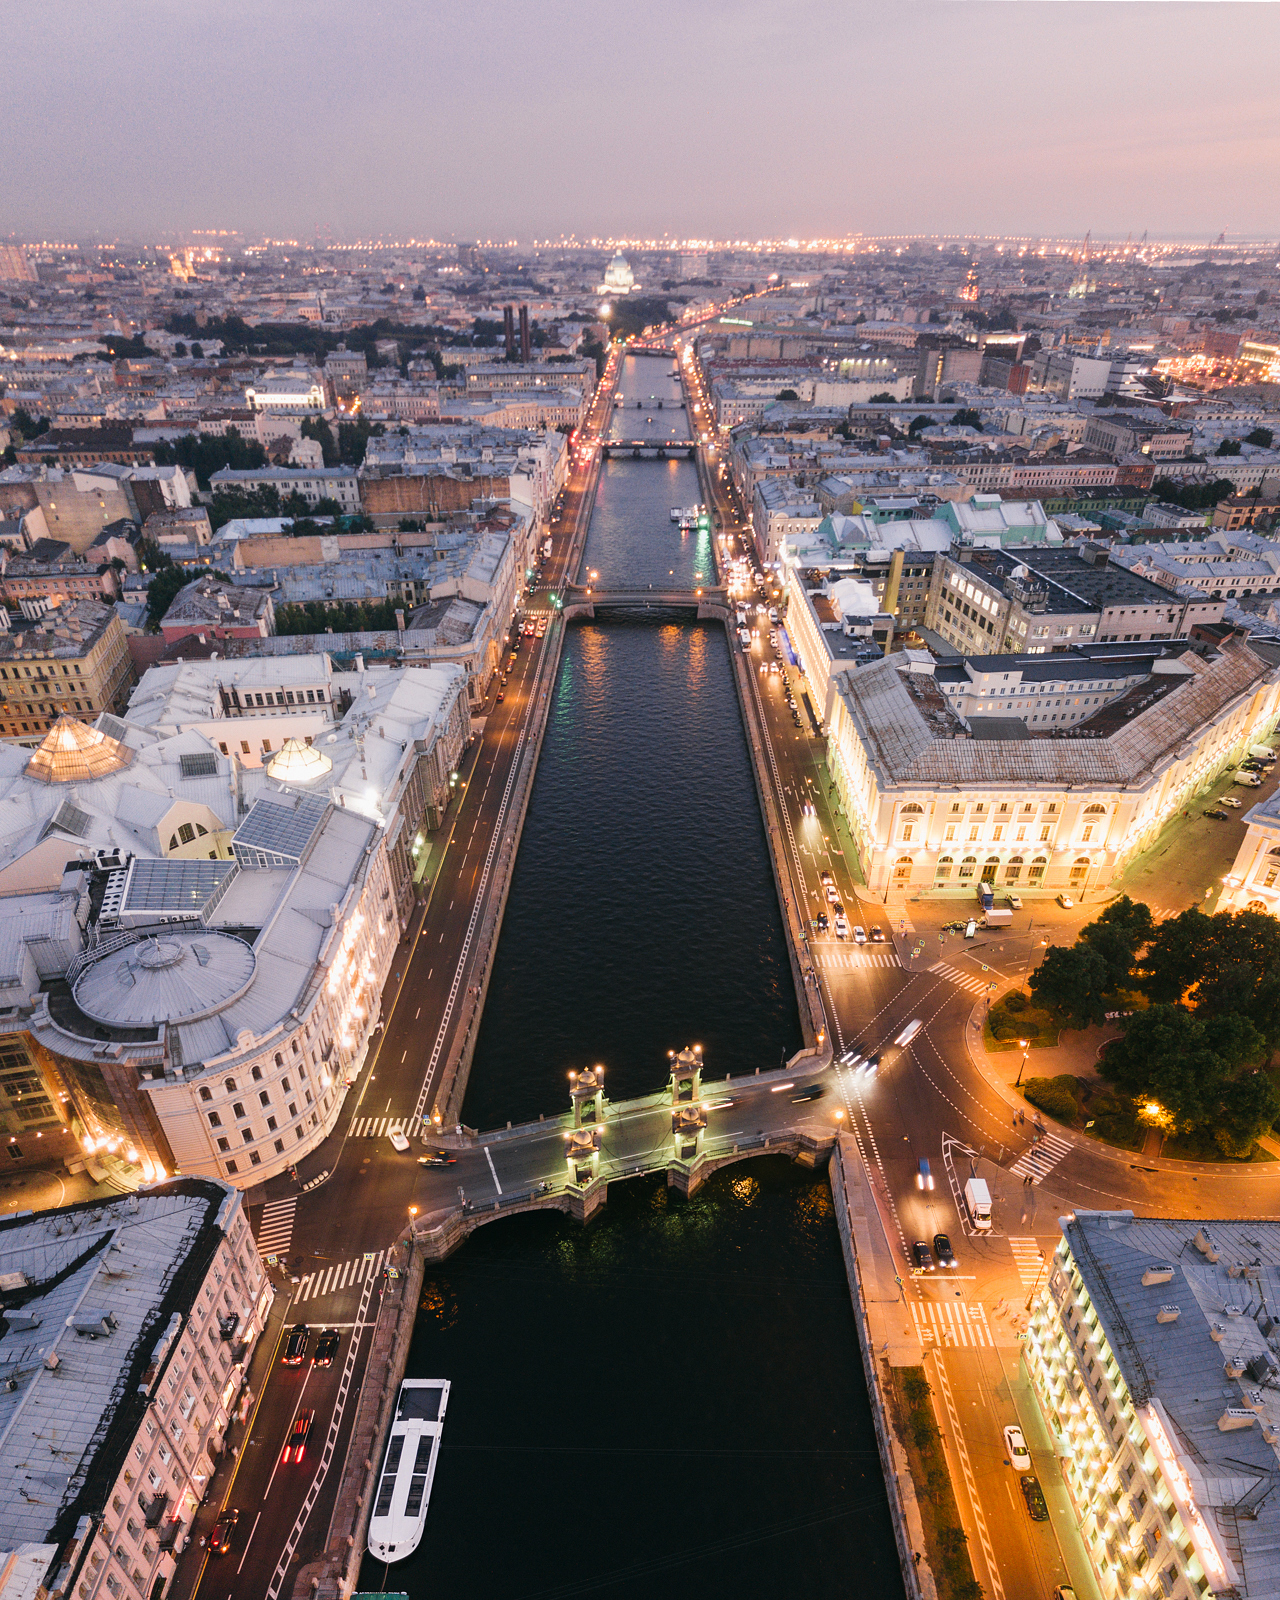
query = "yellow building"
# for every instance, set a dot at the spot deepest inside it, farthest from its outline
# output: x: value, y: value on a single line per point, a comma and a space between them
x: 73, y: 660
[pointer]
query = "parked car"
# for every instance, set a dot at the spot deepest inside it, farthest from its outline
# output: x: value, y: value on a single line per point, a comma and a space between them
x: 1230, y: 800
x: 220, y: 1538
x: 1016, y: 1445
x: 296, y: 1345
x: 1034, y: 1496
x: 1014, y: 902
x: 1217, y: 813
x: 326, y: 1348
x: 942, y: 1249
x: 920, y: 1257
x: 1065, y: 901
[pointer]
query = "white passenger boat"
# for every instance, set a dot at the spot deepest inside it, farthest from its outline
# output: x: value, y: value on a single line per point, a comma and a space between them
x: 408, y: 1468
x: 676, y: 513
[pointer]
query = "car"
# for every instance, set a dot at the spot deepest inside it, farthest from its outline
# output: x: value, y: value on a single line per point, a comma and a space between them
x: 501, y: 696
x: 821, y: 922
x: 836, y: 908
x: 924, y: 1178
x: 220, y: 1538
x: 1065, y: 901
x: 942, y: 1249
x: 1064, y: 1591
x: 1217, y: 814
x: 953, y: 927
x: 326, y: 1348
x: 870, y: 1067
x: 398, y: 1142
x: 1013, y: 901
x: 296, y: 1345
x: 296, y: 1444
x: 811, y: 1091
x: 1230, y: 800
x: 832, y: 893
x: 1034, y: 1496
x: 859, y: 933
x: 970, y: 927
x: 437, y: 1158
x: 877, y: 933
x: 920, y: 1257
x: 842, y: 926
x: 1016, y: 1445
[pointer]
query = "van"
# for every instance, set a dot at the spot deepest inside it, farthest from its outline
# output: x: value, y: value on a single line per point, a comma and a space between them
x: 970, y: 928
x: 1251, y: 778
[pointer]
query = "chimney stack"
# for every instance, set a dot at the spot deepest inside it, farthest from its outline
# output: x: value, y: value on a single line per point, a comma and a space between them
x: 509, y: 329
x: 524, y: 334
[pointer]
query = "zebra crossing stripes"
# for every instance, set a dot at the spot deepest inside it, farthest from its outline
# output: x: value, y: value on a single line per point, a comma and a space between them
x: 1028, y: 1259
x: 948, y: 1324
x: 967, y: 980
x: 275, y: 1229
x: 333, y: 1280
x: 380, y: 1127
x: 858, y: 958
x: 1042, y: 1157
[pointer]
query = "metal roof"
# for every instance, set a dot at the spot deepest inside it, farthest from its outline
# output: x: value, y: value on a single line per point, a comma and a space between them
x: 278, y: 830
x: 165, y: 978
x: 171, y: 887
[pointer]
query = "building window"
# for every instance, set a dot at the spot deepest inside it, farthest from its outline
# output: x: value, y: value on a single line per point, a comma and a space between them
x: 943, y: 869
x: 968, y: 867
x: 215, y: 1121
x: 255, y: 1160
x: 237, y: 1109
x: 206, y: 1094
x: 264, y: 1098
x: 231, y: 1167
x: 229, y: 1084
x: 902, y: 870
x: 1079, y: 871
x: 224, y: 1145
x: 1014, y: 870
x: 246, y: 1135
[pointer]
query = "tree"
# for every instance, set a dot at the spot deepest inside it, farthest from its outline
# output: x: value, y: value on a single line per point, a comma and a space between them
x: 917, y: 423
x: 1191, y: 1067
x: 1073, y: 979
x: 231, y: 504
x: 884, y: 398
x: 1118, y: 934
x: 197, y: 350
x: 28, y: 426
x: 1228, y: 447
x: 967, y: 417
x: 1193, y: 496
x: 1260, y: 436
x: 1220, y: 964
x: 318, y: 429
x: 787, y: 394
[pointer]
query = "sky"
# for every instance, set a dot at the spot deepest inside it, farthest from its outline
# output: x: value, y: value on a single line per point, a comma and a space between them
x: 489, y: 119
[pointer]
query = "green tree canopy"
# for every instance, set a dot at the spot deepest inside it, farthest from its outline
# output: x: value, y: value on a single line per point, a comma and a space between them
x: 1195, y: 1069
x: 1118, y: 934
x: 1260, y: 436
x: 205, y: 454
x: 1073, y: 979
x: 1228, y: 962
x: 967, y: 417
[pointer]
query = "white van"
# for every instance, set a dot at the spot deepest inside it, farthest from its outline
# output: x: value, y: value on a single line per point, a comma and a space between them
x: 970, y: 928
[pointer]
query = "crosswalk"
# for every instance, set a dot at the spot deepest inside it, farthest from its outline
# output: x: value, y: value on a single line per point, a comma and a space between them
x: 1028, y: 1260
x: 381, y: 1127
x: 1042, y: 1157
x: 275, y: 1230
x: 948, y: 1323
x: 967, y: 980
x: 332, y: 1280
x: 856, y: 958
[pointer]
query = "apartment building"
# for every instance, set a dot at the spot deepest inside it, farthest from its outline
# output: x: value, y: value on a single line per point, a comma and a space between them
x: 127, y: 1342
x: 314, y: 484
x: 1151, y: 1355
x: 71, y: 660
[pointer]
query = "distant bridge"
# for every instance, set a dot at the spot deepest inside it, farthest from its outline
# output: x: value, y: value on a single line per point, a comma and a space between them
x: 709, y: 602
x: 662, y: 449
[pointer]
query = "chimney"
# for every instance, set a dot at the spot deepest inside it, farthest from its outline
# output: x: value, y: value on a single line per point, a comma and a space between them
x: 524, y: 335
x: 509, y: 329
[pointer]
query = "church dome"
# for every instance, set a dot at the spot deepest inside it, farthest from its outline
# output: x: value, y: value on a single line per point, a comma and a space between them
x: 618, y: 275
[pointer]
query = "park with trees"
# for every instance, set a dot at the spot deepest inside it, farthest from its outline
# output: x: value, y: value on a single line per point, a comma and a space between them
x: 1197, y: 997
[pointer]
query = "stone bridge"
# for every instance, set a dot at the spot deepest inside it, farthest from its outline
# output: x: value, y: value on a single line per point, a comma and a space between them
x: 708, y: 602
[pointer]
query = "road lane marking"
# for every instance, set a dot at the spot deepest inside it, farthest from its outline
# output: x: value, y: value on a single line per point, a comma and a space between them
x: 492, y: 1169
x: 275, y: 1228
x: 975, y: 1504
x: 288, y: 1432
x: 1041, y: 1158
x: 248, y: 1542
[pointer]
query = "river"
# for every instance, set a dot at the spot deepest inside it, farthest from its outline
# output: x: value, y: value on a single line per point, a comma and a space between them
x: 673, y: 1395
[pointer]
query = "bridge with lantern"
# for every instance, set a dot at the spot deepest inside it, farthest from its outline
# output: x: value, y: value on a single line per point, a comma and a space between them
x: 690, y: 1130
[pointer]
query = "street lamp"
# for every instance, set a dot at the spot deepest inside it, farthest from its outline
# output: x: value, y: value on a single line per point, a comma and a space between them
x: 1017, y: 1081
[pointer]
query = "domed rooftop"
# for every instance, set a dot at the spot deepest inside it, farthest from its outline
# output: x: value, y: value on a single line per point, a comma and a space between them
x: 618, y: 274
x: 73, y: 752
x: 169, y: 978
x: 296, y: 762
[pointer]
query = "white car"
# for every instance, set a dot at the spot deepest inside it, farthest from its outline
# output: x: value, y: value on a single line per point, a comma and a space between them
x: 1230, y: 800
x: 842, y: 926
x: 398, y: 1142
x: 1016, y: 1445
x: 859, y: 933
x: 1065, y: 901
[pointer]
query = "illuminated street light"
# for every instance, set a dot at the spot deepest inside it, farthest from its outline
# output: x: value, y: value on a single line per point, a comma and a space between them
x: 1024, y: 1043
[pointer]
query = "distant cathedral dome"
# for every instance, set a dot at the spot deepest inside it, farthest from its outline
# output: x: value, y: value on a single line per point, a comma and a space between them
x: 618, y: 276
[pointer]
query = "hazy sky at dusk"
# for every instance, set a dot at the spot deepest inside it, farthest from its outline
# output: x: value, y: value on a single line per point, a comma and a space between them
x: 719, y: 118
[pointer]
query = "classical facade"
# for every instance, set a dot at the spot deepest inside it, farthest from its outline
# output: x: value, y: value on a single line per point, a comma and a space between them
x: 937, y: 797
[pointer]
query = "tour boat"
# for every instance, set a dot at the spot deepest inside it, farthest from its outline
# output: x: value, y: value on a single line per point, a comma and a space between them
x: 404, y: 1486
x: 677, y: 513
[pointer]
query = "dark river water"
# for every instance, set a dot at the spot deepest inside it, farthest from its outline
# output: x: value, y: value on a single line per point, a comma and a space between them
x: 671, y: 1398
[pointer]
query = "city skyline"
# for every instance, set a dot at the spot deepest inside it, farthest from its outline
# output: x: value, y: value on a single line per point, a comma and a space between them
x: 462, y: 123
